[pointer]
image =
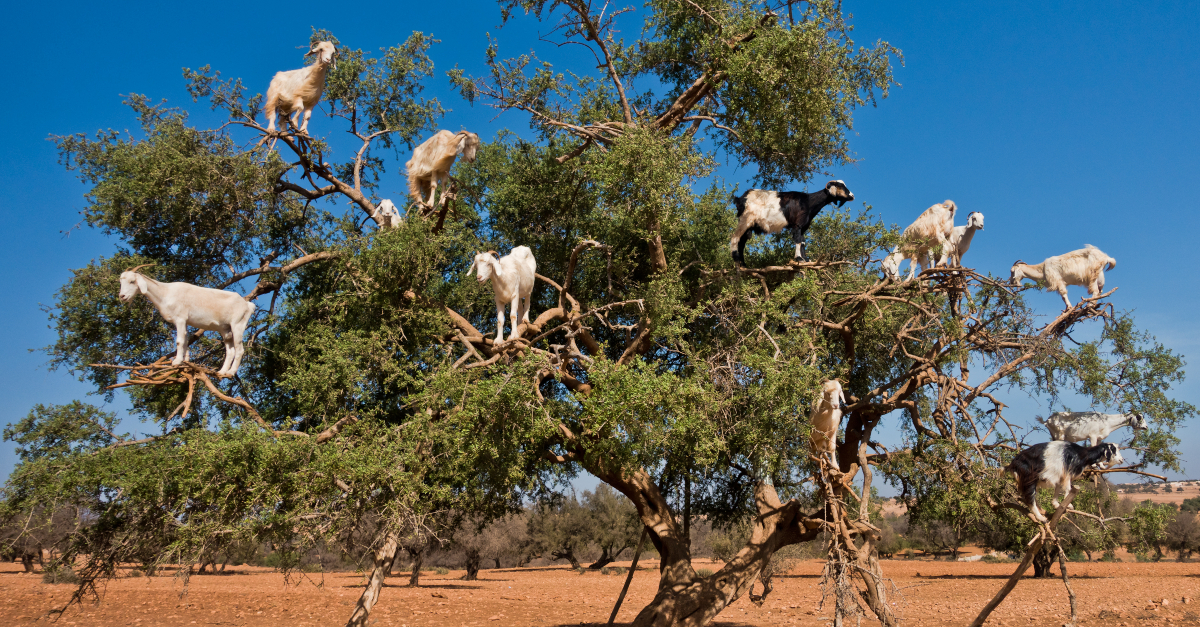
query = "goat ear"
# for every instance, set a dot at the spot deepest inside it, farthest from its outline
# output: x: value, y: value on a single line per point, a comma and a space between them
x: 141, y: 282
x: 497, y: 268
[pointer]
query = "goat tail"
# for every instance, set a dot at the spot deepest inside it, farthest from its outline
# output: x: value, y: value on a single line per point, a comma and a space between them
x: 1112, y: 263
x: 415, y: 188
x: 740, y: 202
x: 252, y: 307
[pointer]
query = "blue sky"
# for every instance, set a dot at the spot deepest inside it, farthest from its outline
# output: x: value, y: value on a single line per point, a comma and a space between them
x: 1064, y: 123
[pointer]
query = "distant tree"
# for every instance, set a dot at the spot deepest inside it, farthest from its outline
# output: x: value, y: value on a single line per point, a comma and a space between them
x: 1190, y: 505
x: 479, y: 540
x: 891, y: 535
x: 1147, y: 528
x: 561, y: 528
x: 1183, y: 534
x: 615, y: 525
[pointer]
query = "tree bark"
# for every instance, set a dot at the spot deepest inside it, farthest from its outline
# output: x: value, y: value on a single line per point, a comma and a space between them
x: 418, y: 558
x: 1042, y: 561
x: 27, y: 562
x: 684, y: 598
x: 566, y: 554
x: 385, y: 556
x: 473, y: 560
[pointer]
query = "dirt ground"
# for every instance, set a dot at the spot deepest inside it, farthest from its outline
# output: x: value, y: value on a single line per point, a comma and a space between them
x: 929, y: 593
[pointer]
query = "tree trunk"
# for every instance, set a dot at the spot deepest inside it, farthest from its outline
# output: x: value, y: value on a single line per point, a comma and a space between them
x: 473, y: 560
x: 566, y: 554
x: 384, y: 557
x: 497, y: 560
x: 1042, y: 562
x: 418, y: 558
x: 607, y: 556
x: 684, y: 598
x: 27, y: 562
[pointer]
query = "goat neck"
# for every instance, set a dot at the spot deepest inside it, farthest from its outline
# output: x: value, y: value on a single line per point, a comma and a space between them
x: 152, y: 289
x: 967, y: 236
x: 818, y: 199
x: 1037, y: 272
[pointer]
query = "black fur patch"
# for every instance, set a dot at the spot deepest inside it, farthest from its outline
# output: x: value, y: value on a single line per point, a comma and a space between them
x: 1030, y: 465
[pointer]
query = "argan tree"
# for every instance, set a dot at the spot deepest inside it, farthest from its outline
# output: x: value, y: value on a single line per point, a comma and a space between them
x: 373, y: 399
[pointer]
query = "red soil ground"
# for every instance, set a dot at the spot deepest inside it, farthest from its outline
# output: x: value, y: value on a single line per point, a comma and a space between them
x: 930, y: 593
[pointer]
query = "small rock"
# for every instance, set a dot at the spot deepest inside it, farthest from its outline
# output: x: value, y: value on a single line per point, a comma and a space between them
x: 440, y: 595
x: 1166, y: 602
x: 1187, y: 599
x: 496, y: 617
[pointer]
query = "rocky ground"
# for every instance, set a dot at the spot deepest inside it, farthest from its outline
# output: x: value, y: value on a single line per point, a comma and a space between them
x: 927, y: 593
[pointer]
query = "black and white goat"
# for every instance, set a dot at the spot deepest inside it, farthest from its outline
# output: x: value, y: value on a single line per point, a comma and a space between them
x: 1055, y: 465
x: 763, y: 211
x: 1073, y: 426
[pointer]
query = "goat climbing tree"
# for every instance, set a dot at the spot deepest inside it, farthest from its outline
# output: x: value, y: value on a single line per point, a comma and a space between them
x: 372, y: 399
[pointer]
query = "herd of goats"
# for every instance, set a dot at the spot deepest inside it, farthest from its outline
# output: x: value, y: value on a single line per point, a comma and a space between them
x: 1052, y: 464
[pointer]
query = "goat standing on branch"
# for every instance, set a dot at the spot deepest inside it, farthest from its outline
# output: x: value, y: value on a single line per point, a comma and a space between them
x: 299, y: 91
x: 1089, y: 425
x: 826, y: 417
x: 1055, y: 465
x: 184, y: 304
x: 933, y: 228
x: 762, y: 211
x: 512, y: 279
x: 960, y: 238
x: 431, y: 161
x: 1084, y: 267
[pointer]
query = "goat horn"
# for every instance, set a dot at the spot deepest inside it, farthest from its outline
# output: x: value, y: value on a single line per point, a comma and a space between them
x: 144, y: 265
x: 492, y: 252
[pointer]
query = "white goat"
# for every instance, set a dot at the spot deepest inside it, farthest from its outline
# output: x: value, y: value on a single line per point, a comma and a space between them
x: 1073, y: 426
x: 431, y: 161
x: 960, y: 238
x: 932, y: 229
x: 512, y: 279
x: 299, y: 91
x: 825, y: 418
x: 184, y: 304
x: 388, y: 216
x: 1084, y: 267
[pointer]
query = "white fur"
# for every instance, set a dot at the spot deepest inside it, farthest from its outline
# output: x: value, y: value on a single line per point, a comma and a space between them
x: 825, y: 418
x: 1091, y: 426
x: 431, y: 161
x: 389, y: 217
x: 512, y: 279
x: 184, y: 305
x: 932, y: 229
x: 961, y: 236
x: 1084, y: 267
x: 298, y: 91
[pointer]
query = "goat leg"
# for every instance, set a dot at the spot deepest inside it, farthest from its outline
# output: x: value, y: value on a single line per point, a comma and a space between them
x: 516, y: 318
x: 433, y: 181
x: 798, y: 239
x: 181, y: 347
